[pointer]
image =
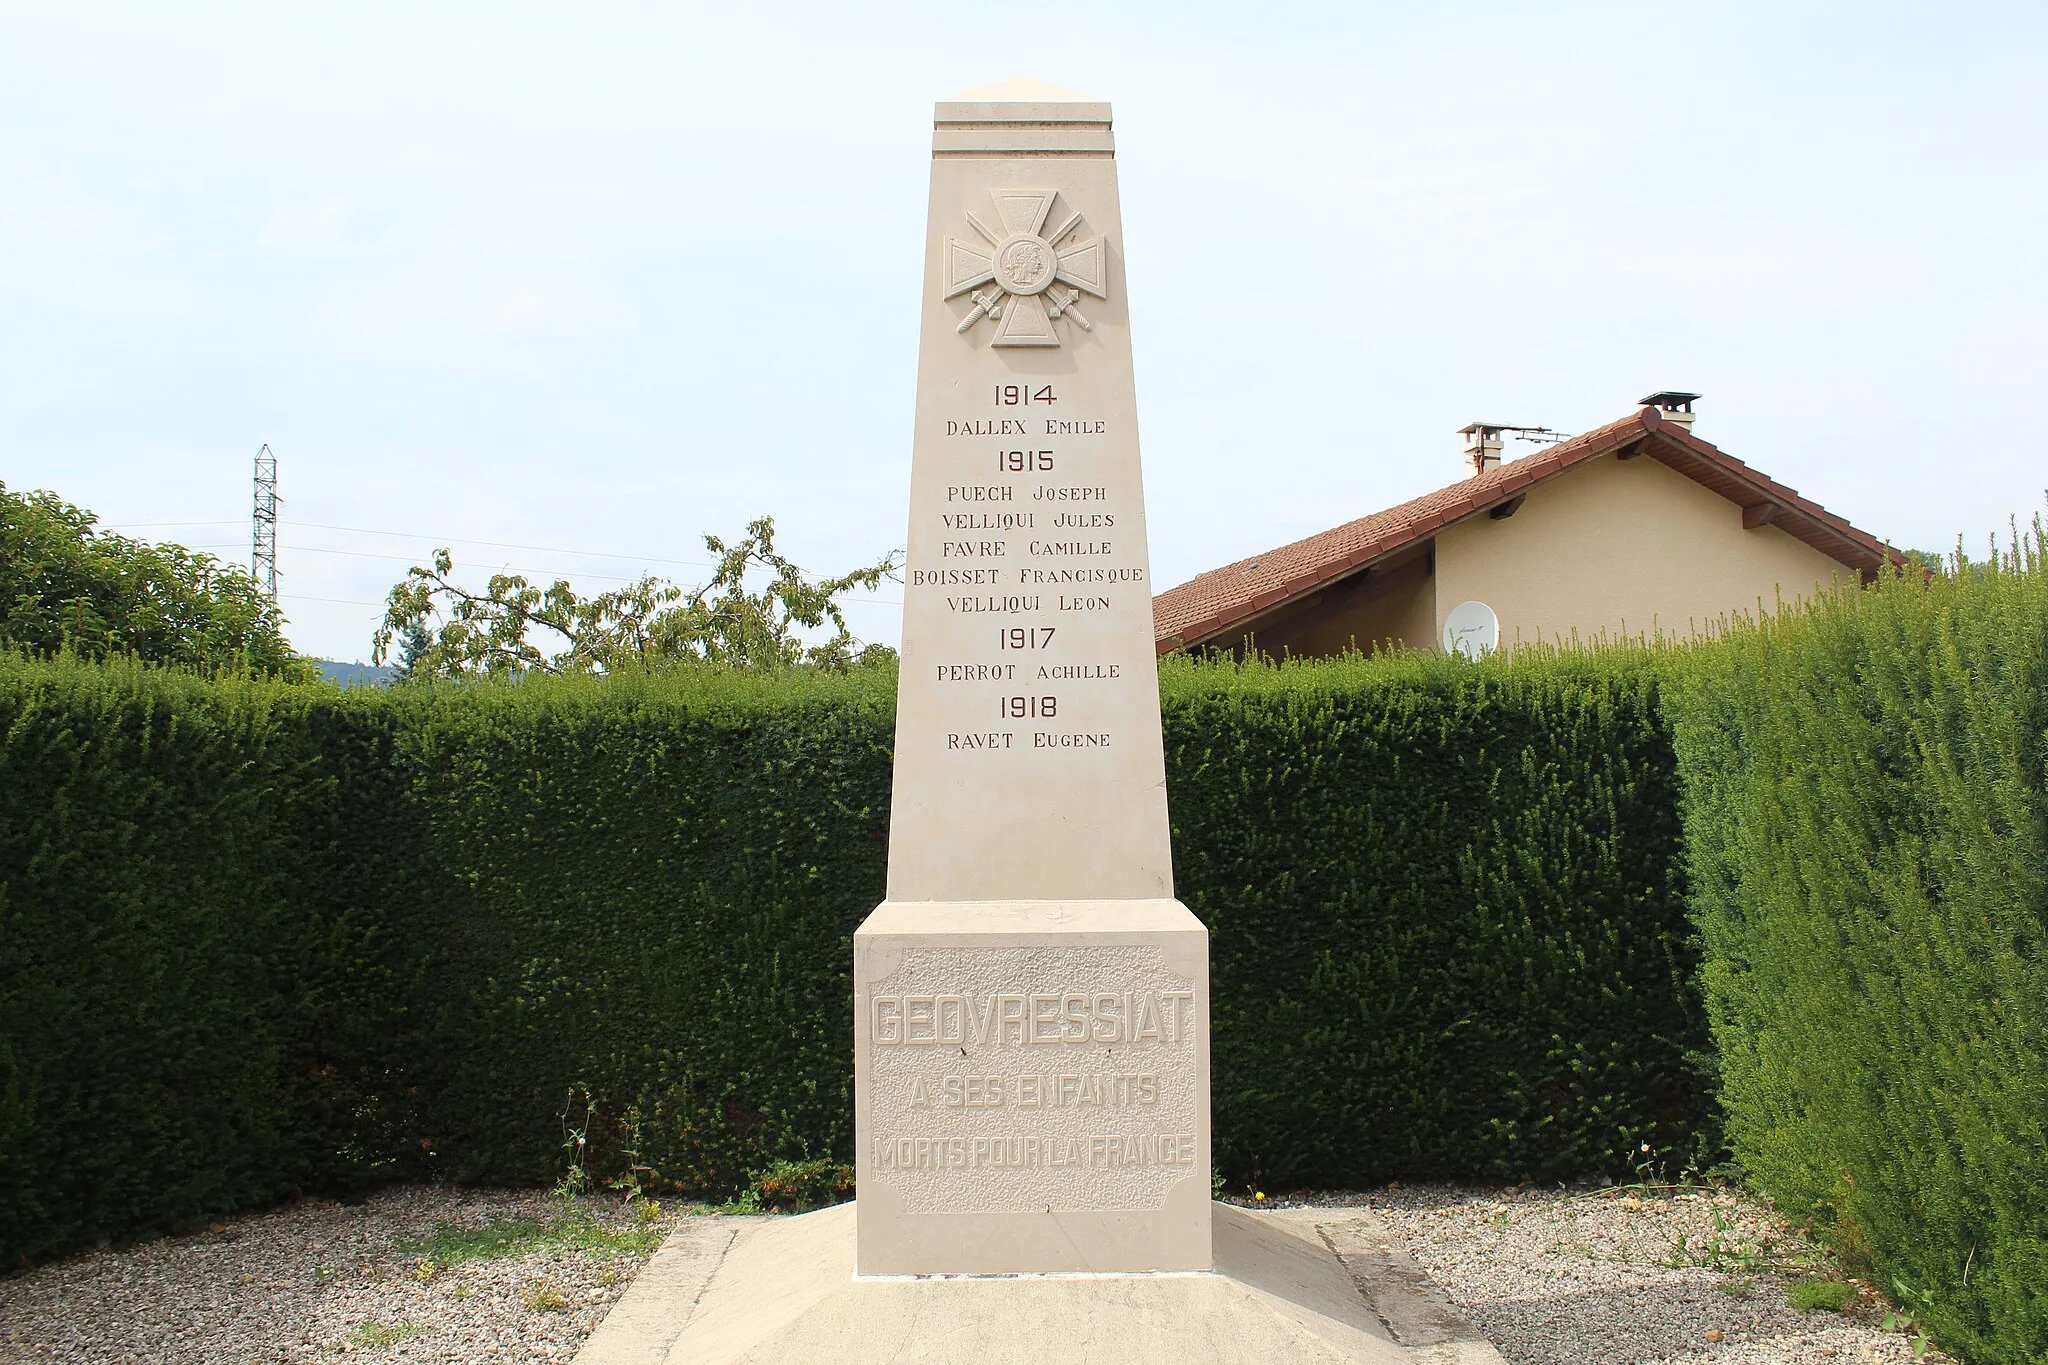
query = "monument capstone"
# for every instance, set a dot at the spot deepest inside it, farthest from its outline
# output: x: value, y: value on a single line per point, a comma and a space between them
x: 1031, y: 1004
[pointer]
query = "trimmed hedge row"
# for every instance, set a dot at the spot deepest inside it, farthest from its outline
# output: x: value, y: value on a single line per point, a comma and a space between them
x: 1867, y: 822
x: 197, y: 975
x: 257, y: 937
x: 1449, y: 926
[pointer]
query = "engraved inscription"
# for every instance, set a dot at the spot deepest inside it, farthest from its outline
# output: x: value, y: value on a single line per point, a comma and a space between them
x: 1044, y: 577
x: 954, y: 578
x: 1036, y: 1090
x: 987, y: 521
x: 1001, y: 604
x: 1071, y: 550
x: 1102, y: 1151
x: 1009, y: 1019
x: 1033, y: 1078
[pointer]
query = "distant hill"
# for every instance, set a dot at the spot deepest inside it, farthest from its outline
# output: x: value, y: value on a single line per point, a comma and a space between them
x: 357, y: 675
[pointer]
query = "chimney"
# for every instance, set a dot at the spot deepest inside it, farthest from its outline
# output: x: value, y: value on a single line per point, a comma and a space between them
x: 1672, y: 406
x: 1482, y: 447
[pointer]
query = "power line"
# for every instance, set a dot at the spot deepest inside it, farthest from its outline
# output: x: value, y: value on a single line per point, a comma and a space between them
x: 506, y: 545
x: 411, y: 559
x: 450, y: 540
x: 407, y: 535
x: 150, y: 525
x: 408, y: 559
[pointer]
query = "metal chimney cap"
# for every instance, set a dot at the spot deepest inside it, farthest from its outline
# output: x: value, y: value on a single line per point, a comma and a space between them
x: 1490, y: 428
x: 1671, y: 400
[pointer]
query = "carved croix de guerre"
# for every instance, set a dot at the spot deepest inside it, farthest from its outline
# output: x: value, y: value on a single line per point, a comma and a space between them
x: 1022, y: 277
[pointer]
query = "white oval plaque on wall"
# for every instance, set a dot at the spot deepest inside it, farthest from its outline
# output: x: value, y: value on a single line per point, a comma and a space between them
x: 1471, y: 630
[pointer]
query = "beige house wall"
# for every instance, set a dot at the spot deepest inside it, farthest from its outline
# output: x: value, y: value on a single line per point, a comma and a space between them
x: 1622, y: 547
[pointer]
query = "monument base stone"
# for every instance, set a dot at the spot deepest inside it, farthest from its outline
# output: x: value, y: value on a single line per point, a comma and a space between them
x: 1032, y: 1088
x: 781, y: 1291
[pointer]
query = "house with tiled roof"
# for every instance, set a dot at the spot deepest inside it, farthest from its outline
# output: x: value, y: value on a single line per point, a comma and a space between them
x: 1637, y: 528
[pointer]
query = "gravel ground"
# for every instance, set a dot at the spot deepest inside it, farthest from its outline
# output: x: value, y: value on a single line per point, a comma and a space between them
x: 1621, y: 1277
x: 315, y: 1280
x: 1582, y: 1278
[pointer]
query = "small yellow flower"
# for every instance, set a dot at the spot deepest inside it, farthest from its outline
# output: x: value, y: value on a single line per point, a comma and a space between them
x: 1259, y: 1196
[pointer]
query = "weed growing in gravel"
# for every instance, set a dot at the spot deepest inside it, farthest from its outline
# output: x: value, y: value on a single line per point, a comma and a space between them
x: 453, y: 1243
x: 1832, y: 1295
x: 382, y: 1336
x: 544, y: 1298
x: 1722, y: 1251
x: 1901, y: 1318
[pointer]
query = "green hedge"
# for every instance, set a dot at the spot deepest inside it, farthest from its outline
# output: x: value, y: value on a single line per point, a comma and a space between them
x: 1867, y: 823
x: 1449, y: 933
x: 196, y: 978
x: 650, y: 891
x: 257, y: 937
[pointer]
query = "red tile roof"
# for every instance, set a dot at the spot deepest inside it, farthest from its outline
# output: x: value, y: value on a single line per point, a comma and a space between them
x: 1214, y: 603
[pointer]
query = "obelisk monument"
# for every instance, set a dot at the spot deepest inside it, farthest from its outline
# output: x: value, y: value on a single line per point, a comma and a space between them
x: 1031, y: 1003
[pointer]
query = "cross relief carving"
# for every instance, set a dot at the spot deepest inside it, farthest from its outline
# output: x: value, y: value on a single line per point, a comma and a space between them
x: 1022, y: 277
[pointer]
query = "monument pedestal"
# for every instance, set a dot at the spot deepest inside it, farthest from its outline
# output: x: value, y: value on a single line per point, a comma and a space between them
x: 782, y: 1291
x: 1032, y: 1087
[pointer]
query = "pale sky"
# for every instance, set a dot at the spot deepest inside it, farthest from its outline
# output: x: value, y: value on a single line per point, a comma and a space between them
x: 601, y: 278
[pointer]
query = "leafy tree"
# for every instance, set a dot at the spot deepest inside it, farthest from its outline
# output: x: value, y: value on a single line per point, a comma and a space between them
x: 446, y: 630
x: 414, y: 644
x: 64, y: 584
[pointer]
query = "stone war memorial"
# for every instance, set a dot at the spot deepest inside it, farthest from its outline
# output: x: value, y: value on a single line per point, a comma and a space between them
x: 1031, y: 1004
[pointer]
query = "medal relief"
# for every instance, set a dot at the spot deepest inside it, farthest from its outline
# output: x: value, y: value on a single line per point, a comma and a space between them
x: 1021, y: 277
